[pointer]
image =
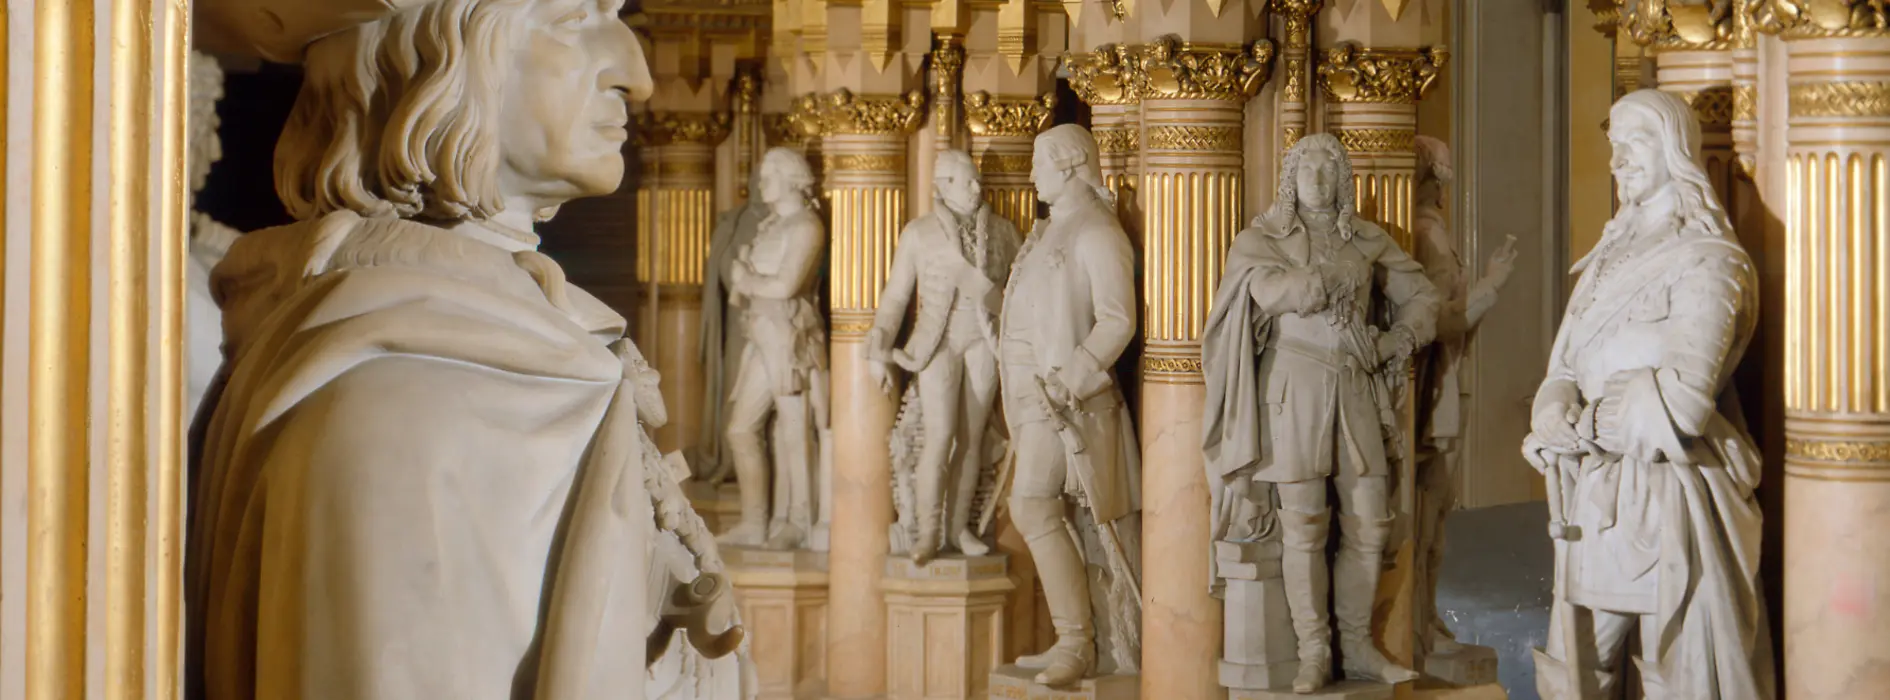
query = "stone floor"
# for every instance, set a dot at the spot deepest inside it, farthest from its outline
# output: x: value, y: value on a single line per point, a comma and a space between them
x: 1494, y: 589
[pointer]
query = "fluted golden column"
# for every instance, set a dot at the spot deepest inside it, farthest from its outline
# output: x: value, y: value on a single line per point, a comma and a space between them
x: 1002, y: 133
x: 1372, y: 109
x: 1837, y: 352
x: 1192, y: 100
x: 92, y: 415
x: 647, y: 136
x: 1295, y: 63
x: 864, y: 154
x: 683, y: 204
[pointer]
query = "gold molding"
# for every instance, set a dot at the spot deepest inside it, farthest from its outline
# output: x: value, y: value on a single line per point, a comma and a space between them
x: 1298, y: 15
x: 664, y: 128
x: 779, y: 130
x: 1668, y: 25
x: 670, y: 166
x: 745, y: 94
x: 995, y: 163
x: 1101, y: 77
x: 1291, y: 135
x: 1712, y: 106
x: 842, y: 112
x: 1171, y: 69
x: 1171, y: 365
x: 989, y: 116
x: 1853, y: 452
x: 1745, y: 102
x: 864, y: 163
x: 948, y: 67
x: 1194, y: 138
x: 1350, y: 73
x: 1815, y: 18
x: 1841, y: 99
x: 1377, y: 140
x: 1117, y: 140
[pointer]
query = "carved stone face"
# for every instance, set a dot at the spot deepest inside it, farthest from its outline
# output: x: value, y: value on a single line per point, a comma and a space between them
x: 958, y: 187
x: 1639, y: 167
x: 1049, y: 179
x: 563, y: 119
x: 1318, y: 179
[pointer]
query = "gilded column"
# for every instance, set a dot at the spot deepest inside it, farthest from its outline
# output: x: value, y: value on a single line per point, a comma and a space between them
x: 1192, y: 100
x: 1100, y: 79
x: 1002, y: 133
x: 948, y: 74
x: 745, y: 102
x: 1372, y: 108
x: 864, y: 150
x: 683, y: 206
x: 1837, y: 347
x: 1296, y: 16
x: 92, y: 340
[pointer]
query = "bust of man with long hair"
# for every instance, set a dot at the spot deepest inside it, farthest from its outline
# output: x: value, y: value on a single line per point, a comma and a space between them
x: 422, y: 472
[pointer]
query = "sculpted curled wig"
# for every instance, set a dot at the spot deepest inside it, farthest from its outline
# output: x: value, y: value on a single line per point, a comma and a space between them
x: 1285, y: 209
x: 398, y: 117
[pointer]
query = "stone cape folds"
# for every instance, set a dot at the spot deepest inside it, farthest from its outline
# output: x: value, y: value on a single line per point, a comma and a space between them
x: 415, y: 434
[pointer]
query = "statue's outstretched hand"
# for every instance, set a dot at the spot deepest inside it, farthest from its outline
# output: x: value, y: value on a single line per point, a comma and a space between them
x: 1501, y: 265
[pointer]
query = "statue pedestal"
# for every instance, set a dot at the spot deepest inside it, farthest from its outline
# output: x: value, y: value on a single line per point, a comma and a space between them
x: 944, y: 626
x: 783, y: 600
x: 1342, y: 690
x: 1259, y: 648
x: 1472, y: 665
x: 1013, y: 683
x: 719, y: 505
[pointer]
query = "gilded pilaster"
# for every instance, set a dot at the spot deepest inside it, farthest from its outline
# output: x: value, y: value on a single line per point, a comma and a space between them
x: 1372, y: 103
x: 864, y: 149
x: 1296, y: 17
x: 948, y: 75
x: 1002, y: 131
x: 750, y: 143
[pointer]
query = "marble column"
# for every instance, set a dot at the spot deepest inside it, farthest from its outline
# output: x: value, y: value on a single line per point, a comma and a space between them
x: 683, y: 206
x: 92, y: 361
x: 1837, y: 357
x: 864, y: 154
x: 1192, y: 100
x: 1002, y: 132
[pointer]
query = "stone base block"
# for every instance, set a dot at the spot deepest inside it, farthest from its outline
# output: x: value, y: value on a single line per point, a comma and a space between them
x: 1470, y: 666
x: 1488, y: 691
x: 1012, y: 683
x: 1342, y: 690
x: 783, y: 600
x: 1258, y: 676
x: 1258, y: 646
x: 719, y: 505
x: 944, y: 626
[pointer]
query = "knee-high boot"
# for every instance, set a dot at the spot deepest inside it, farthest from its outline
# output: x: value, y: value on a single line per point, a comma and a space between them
x: 1303, y: 568
x: 1355, y: 584
x: 749, y: 453
x: 1065, y: 588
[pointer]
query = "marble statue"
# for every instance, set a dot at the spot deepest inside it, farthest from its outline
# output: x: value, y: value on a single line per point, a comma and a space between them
x: 1068, y: 313
x: 945, y: 447
x: 782, y: 377
x: 723, y: 340
x: 425, y: 469
x: 1638, y: 434
x: 1300, y: 381
x: 1440, y: 399
x: 209, y: 239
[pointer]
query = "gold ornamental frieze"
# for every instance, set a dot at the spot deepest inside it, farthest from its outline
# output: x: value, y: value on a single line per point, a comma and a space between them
x: 1171, y: 369
x: 694, y: 127
x: 991, y: 116
x: 1351, y: 73
x: 746, y: 92
x: 1117, y: 140
x: 842, y: 112
x: 1840, y: 451
x: 1101, y: 77
x: 864, y: 163
x: 1671, y: 24
x: 1745, y: 102
x: 1713, y: 106
x: 1194, y: 138
x: 1004, y: 163
x: 1816, y: 18
x: 1172, y: 69
x: 1377, y: 140
x: 1841, y: 99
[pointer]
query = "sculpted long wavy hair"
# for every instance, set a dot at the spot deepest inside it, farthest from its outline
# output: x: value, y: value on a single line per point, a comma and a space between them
x: 399, y: 117
x: 1285, y: 209
x: 1698, y: 212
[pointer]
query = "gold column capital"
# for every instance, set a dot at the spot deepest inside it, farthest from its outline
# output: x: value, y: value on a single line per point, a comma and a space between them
x: 1298, y: 15
x: 1670, y: 25
x: 1351, y: 73
x: 1171, y: 69
x: 1101, y: 77
x: 708, y: 128
x: 1816, y: 18
x: 996, y: 116
x: 842, y: 112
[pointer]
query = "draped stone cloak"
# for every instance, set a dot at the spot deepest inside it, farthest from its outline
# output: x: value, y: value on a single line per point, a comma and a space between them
x: 418, y: 479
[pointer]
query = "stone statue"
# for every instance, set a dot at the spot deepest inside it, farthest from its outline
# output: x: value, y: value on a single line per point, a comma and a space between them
x: 1440, y: 406
x: 782, y: 377
x: 1069, y: 311
x: 945, y: 447
x: 425, y: 470
x: 1637, y: 432
x: 209, y: 239
x: 1300, y: 384
x: 723, y: 341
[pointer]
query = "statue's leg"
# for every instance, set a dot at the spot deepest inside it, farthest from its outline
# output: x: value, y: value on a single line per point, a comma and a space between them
x: 749, y: 405
x: 1305, y: 524
x: 793, y: 473
x: 1592, y: 670
x: 1037, y: 507
x: 1436, y: 497
x: 979, y: 392
x: 938, y: 418
x: 1364, y: 529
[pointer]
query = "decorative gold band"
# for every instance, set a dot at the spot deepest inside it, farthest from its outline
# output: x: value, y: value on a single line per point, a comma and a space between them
x: 1194, y: 138
x: 866, y: 163
x: 1377, y: 140
x: 1117, y: 140
x: 1712, y: 106
x: 1841, y: 99
x: 993, y: 163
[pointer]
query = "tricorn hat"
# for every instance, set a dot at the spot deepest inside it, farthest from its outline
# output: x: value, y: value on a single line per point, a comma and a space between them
x: 281, y: 30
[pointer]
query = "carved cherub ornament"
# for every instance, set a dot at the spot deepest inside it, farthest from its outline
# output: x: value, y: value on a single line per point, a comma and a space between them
x: 955, y: 260
x: 426, y: 473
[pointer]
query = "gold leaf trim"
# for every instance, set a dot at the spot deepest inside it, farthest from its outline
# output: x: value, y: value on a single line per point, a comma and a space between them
x: 1841, y: 99
x: 842, y: 112
x: 989, y: 116
x: 1713, y: 106
x: 1171, y: 69
x: 1377, y: 140
x: 1815, y: 18
x: 1171, y: 365
x: 1117, y: 140
x: 1351, y: 73
x: 1745, y: 103
x: 1101, y: 77
x: 870, y: 163
x: 663, y: 128
x: 1194, y: 138
x: 1839, y: 451
x: 990, y: 163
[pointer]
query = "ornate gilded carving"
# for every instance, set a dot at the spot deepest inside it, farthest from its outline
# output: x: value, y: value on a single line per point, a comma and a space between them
x: 1188, y: 366
x: 1291, y: 135
x: 1607, y: 16
x: 695, y: 127
x: 1194, y: 138
x: 779, y: 130
x: 1817, y: 18
x: 1101, y: 77
x: 854, y: 162
x: 746, y: 93
x: 1117, y: 140
x: 803, y: 120
x: 1377, y: 140
x: 1298, y: 15
x: 989, y: 116
x: 1171, y: 69
x: 842, y: 112
x: 990, y: 163
x: 1745, y: 102
x: 1839, y: 451
x: 1841, y: 99
x: 1713, y: 106
x: 1354, y: 74
x: 948, y: 65
x: 1679, y: 25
